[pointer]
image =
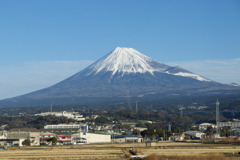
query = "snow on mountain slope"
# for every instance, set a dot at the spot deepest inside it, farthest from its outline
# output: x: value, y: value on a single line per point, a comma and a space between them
x: 192, y: 75
x: 235, y: 84
x: 128, y: 60
x: 123, y: 74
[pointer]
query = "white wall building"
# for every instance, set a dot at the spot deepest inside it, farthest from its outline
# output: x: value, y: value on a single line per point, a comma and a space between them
x: 97, y: 138
x: 71, y: 115
x: 67, y: 126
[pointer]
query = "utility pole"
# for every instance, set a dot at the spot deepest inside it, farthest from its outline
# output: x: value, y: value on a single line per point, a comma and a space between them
x: 51, y: 109
x: 164, y: 135
x: 181, y: 108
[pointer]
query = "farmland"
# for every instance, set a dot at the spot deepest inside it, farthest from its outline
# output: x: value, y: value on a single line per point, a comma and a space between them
x: 120, y: 151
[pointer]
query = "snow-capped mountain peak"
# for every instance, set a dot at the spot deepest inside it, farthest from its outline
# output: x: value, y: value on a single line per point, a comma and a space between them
x: 125, y: 60
x: 128, y: 60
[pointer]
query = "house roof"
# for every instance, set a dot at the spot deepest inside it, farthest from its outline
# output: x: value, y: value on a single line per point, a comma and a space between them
x: 192, y: 132
x: 125, y: 136
x: 207, y: 124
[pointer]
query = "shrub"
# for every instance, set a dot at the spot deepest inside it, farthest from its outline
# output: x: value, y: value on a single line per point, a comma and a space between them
x: 26, y: 142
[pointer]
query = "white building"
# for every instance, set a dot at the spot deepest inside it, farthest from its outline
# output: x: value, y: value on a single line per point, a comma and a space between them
x: 235, y: 124
x: 178, y: 137
x: 71, y: 115
x: 67, y: 126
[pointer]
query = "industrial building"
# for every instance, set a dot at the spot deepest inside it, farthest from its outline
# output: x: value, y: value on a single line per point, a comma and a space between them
x: 25, y: 133
x: 72, y: 134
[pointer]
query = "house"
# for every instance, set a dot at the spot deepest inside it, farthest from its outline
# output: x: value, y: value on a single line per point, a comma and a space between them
x: 11, y: 142
x: 126, y: 138
x: 204, y: 126
x: 194, y: 134
x: 32, y: 134
x: 236, y: 131
x: 179, y: 137
x: 45, y: 138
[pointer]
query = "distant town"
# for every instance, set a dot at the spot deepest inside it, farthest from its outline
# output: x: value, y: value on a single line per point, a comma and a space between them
x: 73, y: 128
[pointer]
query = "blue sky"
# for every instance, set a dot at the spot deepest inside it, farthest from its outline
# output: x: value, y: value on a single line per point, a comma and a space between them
x: 44, y: 41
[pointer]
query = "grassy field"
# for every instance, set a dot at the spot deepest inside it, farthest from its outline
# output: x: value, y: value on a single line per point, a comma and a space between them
x: 160, y: 151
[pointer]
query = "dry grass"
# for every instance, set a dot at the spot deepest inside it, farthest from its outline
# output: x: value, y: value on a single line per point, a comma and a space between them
x: 196, y: 157
x: 181, y: 151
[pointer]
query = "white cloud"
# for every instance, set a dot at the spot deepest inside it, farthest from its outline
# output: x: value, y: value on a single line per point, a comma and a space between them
x: 223, y: 71
x: 31, y: 76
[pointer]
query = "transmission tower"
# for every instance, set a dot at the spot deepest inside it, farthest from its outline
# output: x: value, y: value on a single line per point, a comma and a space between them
x: 181, y: 108
x: 169, y: 127
x: 217, y: 117
x: 136, y: 107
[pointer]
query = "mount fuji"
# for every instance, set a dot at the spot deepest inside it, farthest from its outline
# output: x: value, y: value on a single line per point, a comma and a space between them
x: 123, y: 73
